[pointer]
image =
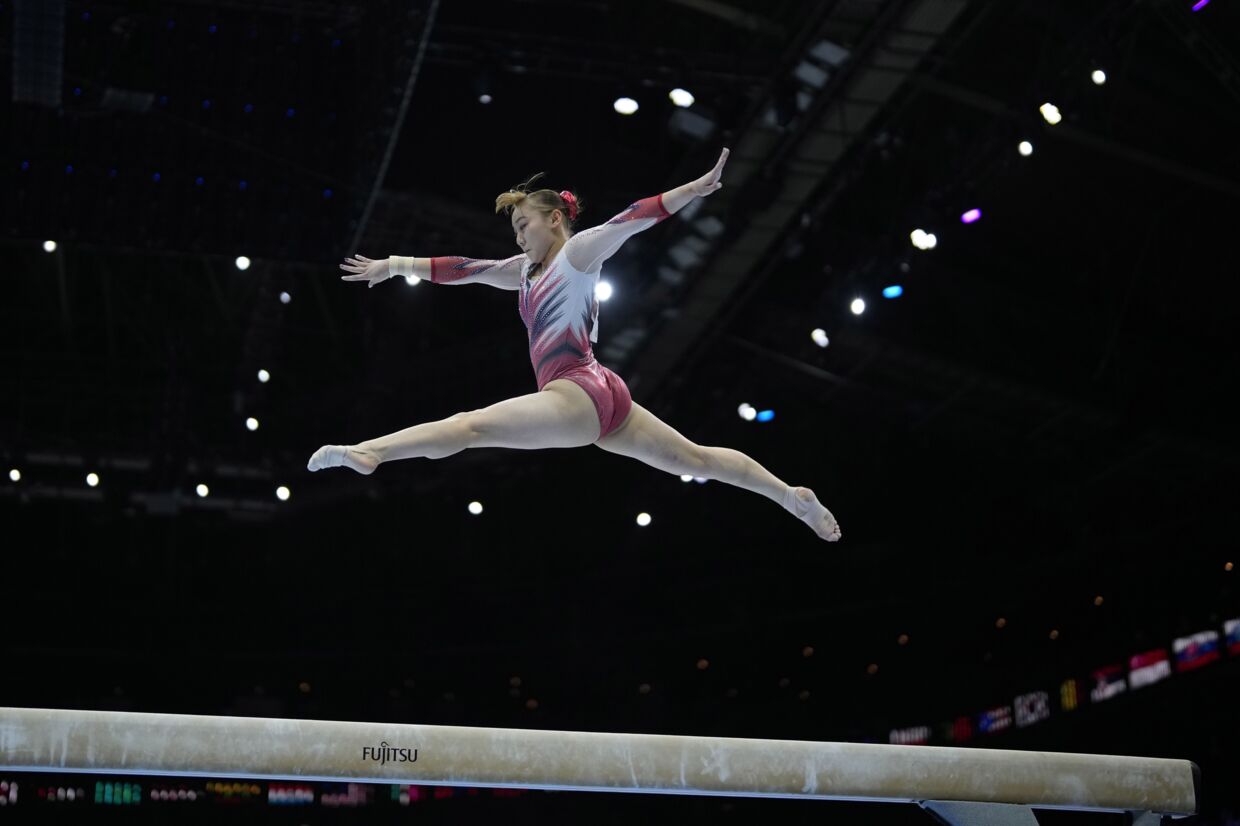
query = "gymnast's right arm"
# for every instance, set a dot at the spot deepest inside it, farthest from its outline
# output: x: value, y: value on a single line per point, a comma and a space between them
x: 447, y: 269
x: 452, y: 269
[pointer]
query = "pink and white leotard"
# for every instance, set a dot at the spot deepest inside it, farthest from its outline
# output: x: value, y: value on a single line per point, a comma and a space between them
x: 560, y: 309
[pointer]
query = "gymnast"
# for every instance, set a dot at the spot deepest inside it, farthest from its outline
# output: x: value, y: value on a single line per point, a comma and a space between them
x: 579, y: 401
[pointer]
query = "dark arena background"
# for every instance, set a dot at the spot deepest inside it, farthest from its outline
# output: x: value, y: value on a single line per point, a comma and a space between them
x: 969, y: 277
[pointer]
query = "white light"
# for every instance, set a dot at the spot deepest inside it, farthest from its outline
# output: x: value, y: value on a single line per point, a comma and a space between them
x: 923, y: 240
x: 686, y: 477
x: 680, y: 97
x: 918, y: 237
x: 251, y: 424
x: 202, y: 490
x: 412, y: 280
x: 92, y: 479
x: 285, y: 298
x: 1099, y: 77
x: 15, y: 475
x: 602, y: 290
x: 49, y: 246
x: 1050, y: 112
x: 643, y: 519
x: 242, y: 262
x: 819, y: 336
x: 283, y: 493
x: 625, y: 106
x: 475, y: 508
x: 858, y: 306
x: 1026, y: 148
x: 484, y: 98
x: 264, y: 376
x: 746, y: 411
x: 701, y: 480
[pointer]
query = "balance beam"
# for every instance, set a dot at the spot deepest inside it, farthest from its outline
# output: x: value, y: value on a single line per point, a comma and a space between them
x: 961, y: 785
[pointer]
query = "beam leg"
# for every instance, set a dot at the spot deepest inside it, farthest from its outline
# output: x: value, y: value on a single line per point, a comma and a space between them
x: 955, y: 813
x: 1146, y: 818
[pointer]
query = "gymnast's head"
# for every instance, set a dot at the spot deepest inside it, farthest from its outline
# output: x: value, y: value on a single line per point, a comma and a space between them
x: 540, y: 218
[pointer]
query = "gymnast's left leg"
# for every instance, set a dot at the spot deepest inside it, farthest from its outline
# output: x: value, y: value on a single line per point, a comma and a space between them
x: 646, y: 437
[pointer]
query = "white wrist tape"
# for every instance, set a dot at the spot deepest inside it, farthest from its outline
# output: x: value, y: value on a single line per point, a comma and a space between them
x: 400, y: 265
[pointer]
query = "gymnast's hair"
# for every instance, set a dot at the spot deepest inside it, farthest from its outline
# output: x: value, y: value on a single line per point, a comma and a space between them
x: 545, y: 201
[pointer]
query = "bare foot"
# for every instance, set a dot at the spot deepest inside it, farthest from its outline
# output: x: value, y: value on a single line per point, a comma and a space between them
x: 351, y: 456
x: 802, y: 503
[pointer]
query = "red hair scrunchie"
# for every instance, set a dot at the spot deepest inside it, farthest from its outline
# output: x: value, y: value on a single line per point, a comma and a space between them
x: 571, y: 200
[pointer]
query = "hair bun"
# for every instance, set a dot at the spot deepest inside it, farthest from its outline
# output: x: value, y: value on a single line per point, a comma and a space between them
x: 571, y: 200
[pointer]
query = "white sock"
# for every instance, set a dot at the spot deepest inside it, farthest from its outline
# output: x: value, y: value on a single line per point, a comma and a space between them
x: 812, y: 512
x: 327, y: 456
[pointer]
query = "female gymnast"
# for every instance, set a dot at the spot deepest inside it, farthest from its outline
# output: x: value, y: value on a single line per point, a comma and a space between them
x: 579, y: 401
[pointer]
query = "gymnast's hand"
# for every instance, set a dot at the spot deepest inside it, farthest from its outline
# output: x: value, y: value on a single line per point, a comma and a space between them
x: 709, y: 182
x: 365, y: 269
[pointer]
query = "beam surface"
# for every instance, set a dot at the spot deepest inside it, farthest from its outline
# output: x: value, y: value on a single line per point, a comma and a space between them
x: 57, y: 740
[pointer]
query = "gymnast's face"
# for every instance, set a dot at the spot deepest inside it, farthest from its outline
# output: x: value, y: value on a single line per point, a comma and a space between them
x: 536, y: 232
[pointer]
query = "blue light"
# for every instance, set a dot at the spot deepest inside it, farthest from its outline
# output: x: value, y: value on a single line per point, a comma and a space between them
x: 69, y: 169
x: 77, y: 90
x: 327, y: 193
x: 112, y: 173
x: 249, y: 107
x: 86, y: 15
x: 290, y: 112
x: 766, y: 415
x: 25, y: 165
x: 206, y: 104
x: 198, y: 180
x: 894, y: 291
x: 335, y: 42
x: 242, y: 185
x: 211, y: 28
x: 171, y: 25
x: 163, y: 100
x: 155, y: 177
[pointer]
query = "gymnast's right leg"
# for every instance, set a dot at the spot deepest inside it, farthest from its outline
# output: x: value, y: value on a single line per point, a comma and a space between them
x: 431, y: 440
x: 559, y: 415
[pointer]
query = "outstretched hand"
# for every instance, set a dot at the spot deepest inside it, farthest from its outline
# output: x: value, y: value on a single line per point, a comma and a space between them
x: 709, y: 182
x: 365, y: 269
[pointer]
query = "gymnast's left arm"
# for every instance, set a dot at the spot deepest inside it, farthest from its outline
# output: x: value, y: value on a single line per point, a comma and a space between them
x: 587, y: 250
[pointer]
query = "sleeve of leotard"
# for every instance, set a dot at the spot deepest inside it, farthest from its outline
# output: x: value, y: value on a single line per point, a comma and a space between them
x: 587, y: 250
x: 454, y: 269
